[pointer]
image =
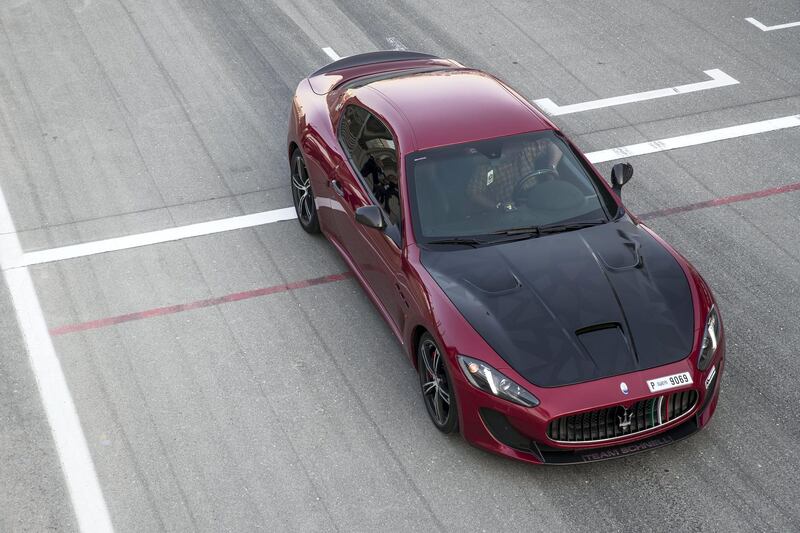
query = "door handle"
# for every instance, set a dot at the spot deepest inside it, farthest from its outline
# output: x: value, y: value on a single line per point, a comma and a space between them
x: 337, y: 187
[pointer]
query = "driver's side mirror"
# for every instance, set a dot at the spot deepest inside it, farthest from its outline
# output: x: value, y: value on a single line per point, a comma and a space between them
x: 621, y: 173
x: 371, y: 216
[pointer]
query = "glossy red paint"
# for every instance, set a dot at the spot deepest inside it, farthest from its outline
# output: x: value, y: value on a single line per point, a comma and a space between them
x: 473, y: 105
x: 427, y: 109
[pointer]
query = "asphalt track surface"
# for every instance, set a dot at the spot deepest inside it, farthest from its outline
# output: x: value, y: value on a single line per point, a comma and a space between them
x: 291, y: 407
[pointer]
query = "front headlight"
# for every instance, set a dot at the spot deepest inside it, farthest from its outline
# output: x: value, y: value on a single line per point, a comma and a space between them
x: 490, y: 380
x: 710, y: 340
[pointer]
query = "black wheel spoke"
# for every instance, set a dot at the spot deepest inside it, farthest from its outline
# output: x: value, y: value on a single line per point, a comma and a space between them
x: 305, y: 207
x: 444, y: 395
x: 296, y: 183
x: 426, y: 359
x: 304, y: 175
x: 439, y: 409
x: 434, y: 383
x: 302, y: 195
x: 301, y: 191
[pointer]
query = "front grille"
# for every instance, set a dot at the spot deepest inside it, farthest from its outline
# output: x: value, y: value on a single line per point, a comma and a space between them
x: 617, y: 421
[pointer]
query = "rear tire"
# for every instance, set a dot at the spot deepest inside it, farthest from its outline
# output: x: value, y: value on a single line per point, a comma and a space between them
x: 302, y: 195
x: 435, y: 382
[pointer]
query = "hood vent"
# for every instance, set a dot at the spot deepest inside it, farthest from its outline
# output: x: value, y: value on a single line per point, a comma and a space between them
x: 607, y: 346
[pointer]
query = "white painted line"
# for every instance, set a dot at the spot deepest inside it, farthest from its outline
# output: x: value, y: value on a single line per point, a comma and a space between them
x: 762, y: 27
x: 73, y: 452
x: 396, y: 44
x: 692, y: 139
x: 331, y: 53
x: 153, y: 237
x: 718, y: 79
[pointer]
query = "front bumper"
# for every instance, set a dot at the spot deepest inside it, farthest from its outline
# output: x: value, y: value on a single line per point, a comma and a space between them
x: 521, y: 433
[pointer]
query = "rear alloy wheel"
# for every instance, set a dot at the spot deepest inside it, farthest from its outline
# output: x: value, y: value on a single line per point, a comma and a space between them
x: 302, y: 195
x: 435, y: 382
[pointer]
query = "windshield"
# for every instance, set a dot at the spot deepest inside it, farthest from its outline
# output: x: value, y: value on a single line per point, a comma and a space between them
x: 493, y: 186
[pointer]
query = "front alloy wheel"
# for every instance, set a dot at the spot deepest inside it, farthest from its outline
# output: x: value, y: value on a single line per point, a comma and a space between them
x: 435, y: 382
x: 302, y: 195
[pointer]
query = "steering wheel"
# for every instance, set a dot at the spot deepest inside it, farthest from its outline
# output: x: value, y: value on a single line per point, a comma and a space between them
x: 541, y: 175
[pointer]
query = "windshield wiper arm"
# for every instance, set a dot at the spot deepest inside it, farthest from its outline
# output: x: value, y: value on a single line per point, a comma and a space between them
x: 535, y: 231
x: 458, y: 240
x: 570, y: 226
x: 524, y: 230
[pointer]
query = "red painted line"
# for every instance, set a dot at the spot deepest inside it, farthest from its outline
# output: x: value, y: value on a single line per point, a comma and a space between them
x: 723, y: 201
x: 235, y: 297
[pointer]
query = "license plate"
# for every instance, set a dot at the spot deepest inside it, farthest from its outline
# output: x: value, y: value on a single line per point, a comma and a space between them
x: 669, y: 382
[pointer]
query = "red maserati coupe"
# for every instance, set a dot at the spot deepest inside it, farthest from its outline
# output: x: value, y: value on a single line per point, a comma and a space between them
x: 546, y: 322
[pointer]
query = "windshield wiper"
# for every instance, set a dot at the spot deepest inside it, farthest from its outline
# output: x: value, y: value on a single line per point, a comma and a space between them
x: 535, y: 231
x: 458, y: 240
x: 524, y: 230
x: 570, y: 226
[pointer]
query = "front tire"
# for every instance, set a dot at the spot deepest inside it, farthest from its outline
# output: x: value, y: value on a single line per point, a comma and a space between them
x: 435, y: 382
x: 302, y: 195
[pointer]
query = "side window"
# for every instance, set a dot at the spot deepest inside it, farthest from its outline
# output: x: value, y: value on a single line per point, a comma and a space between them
x: 350, y: 129
x: 380, y: 167
x: 373, y: 153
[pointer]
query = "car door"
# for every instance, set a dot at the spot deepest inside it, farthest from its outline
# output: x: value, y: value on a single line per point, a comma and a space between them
x: 348, y: 126
x: 370, y: 177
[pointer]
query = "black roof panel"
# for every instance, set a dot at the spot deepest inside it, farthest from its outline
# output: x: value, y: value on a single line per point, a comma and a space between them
x: 370, y: 58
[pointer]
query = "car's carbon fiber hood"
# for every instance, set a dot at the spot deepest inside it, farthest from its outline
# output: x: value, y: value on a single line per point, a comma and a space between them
x: 572, y: 307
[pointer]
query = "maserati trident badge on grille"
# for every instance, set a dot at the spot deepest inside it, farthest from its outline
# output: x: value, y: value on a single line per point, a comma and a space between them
x: 625, y: 420
x: 624, y: 388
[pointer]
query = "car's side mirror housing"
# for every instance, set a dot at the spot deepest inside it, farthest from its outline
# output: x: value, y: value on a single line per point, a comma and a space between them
x: 621, y: 173
x: 371, y: 216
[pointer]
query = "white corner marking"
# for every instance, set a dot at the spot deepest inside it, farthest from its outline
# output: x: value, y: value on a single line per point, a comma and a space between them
x: 718, y: 79
x: 763, y: 27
